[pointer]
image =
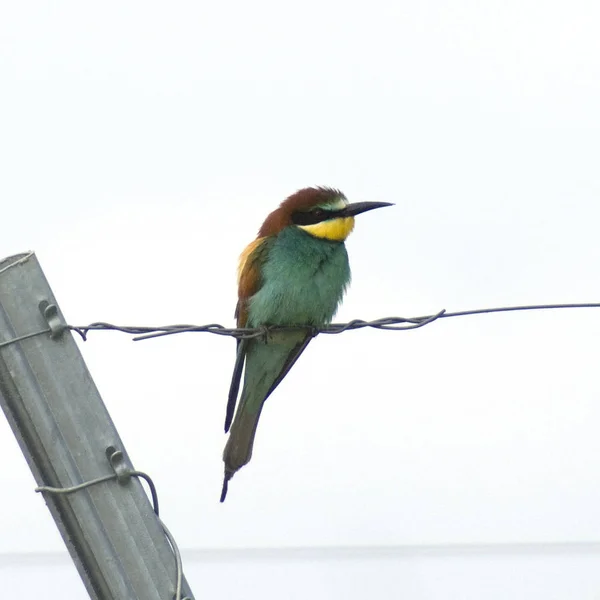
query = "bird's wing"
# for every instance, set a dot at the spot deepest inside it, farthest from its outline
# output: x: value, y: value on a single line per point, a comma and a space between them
x: 290, y: 361
x: 252, y: 260
x: 249, y: 282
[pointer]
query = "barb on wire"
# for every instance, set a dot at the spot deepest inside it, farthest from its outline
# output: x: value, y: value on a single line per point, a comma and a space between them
x: 387, y: 323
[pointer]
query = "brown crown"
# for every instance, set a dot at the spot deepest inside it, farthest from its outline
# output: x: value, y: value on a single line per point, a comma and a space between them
x: 301, y: 200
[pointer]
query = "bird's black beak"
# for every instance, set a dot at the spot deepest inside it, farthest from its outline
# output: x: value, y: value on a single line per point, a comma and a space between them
x: 360, y: 207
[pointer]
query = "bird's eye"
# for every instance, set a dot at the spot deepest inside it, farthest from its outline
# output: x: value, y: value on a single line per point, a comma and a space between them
x: 310, y: 217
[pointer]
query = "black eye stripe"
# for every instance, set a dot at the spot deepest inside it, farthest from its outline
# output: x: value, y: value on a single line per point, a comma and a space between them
x: 313, y: 216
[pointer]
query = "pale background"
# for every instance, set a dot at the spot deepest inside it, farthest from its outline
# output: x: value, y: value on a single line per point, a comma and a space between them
x: 142, y: 144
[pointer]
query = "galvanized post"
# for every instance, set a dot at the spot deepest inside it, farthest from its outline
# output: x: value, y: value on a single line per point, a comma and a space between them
x: 64, y: 430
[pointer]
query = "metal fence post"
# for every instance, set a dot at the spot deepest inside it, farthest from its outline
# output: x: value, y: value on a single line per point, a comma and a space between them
x: 64, y: 430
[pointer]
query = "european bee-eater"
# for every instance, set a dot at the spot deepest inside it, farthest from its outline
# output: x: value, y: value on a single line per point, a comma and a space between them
x: 293, y: 274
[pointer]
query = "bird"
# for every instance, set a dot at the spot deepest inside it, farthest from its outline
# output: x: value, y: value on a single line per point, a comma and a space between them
x: 294, y: 274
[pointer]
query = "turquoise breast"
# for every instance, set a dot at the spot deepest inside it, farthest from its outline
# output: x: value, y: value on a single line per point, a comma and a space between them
x: 303, y: 281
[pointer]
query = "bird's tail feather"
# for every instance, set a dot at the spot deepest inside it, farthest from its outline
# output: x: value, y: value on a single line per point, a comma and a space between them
x: 238, y: 450
x: 266, y: 363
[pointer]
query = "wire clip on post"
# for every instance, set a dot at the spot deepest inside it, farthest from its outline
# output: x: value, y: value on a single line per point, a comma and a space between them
x: 122, y: 475
x: 56, y: 324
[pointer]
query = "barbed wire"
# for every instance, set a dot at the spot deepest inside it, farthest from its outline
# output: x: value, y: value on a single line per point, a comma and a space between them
x: 57, y: 326
x: 386, y: 323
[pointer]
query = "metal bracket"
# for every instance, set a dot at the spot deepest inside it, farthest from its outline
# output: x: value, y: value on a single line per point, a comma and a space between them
x: 117, y: 462
x: 53, y: 318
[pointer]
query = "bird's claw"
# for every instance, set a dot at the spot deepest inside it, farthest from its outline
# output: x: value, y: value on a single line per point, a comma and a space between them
x: 266, y: 333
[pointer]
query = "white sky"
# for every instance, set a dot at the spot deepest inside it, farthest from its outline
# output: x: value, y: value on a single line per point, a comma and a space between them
x: 143, y: 143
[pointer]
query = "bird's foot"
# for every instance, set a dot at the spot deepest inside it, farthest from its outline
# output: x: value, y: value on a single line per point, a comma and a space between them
x: 266, y: 333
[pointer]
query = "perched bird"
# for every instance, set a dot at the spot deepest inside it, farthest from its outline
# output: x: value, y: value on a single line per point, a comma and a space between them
x: 293, y: 274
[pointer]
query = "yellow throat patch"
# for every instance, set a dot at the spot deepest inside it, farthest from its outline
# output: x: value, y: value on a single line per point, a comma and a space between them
x: 336, y: 230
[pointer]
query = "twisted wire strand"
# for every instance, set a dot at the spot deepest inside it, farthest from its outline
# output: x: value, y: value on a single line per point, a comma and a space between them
x: 385, y: 323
